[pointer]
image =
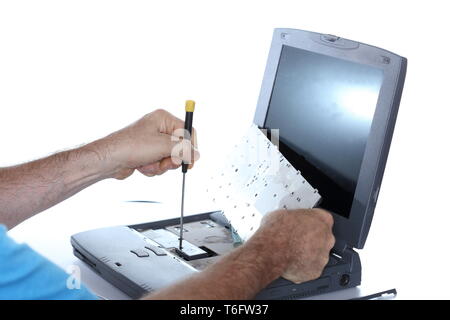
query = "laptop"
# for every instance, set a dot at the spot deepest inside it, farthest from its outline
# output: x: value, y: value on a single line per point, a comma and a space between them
x: 335, y: 103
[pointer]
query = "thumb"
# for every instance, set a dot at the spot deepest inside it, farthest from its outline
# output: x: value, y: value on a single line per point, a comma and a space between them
x: 180, y: 150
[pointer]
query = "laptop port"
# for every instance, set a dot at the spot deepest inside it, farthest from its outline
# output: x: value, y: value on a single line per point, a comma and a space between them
x: 345, y: 280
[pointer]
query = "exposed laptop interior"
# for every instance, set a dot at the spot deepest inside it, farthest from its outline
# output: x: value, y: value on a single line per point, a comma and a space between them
x: 335, y: 103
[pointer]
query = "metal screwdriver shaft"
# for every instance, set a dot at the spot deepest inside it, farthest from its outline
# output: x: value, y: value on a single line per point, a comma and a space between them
x: 190, y: 106
x: 182, y: 212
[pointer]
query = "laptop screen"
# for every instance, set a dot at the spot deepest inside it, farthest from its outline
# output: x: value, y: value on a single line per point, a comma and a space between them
x: 323, y: 107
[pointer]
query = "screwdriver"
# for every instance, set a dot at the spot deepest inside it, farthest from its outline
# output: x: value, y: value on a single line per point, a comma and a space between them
x: 190, y: 106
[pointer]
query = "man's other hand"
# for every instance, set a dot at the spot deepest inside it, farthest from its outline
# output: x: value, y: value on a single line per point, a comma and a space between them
x: 301, y: 239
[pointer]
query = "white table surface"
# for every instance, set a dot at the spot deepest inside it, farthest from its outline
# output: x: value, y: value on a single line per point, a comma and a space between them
x: 105, y: 204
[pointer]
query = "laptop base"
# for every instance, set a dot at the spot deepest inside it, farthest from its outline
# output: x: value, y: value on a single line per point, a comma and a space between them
x: 140, y: 259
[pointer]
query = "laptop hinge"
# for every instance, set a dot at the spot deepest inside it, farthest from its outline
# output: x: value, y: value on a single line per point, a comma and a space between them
x: 341, y: 247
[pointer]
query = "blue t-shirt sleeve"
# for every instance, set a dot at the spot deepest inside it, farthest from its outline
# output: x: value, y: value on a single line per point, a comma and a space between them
x: 25, y: 274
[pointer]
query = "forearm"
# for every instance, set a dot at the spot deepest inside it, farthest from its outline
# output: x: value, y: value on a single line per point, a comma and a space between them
x: 239, y: 275
x: 145, y: 145
x: 32, y: 187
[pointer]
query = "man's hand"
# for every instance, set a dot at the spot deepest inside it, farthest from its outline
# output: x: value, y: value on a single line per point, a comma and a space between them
x: 300, y: 239
x: 148, y: 145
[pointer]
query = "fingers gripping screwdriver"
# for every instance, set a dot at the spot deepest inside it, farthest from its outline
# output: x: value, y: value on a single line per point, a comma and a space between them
x: 190, y: 106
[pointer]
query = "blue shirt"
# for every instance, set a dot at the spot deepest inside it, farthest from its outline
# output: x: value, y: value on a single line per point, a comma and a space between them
x: 25, y: 274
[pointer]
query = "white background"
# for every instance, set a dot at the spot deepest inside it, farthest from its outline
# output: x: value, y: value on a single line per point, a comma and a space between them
x: 73, y: 71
